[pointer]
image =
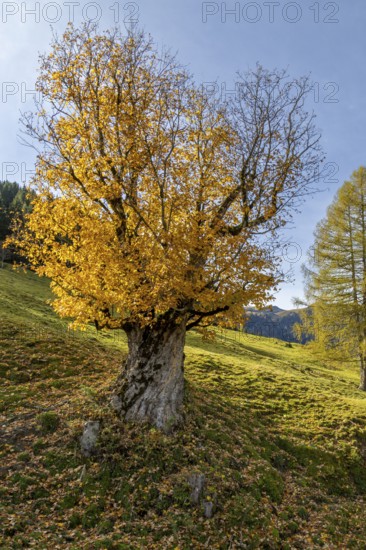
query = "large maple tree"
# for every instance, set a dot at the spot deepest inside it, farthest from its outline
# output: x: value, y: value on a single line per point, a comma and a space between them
x: 153, y: 197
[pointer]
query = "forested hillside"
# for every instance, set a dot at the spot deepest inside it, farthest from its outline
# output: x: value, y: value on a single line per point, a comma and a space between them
x: 274, y: 323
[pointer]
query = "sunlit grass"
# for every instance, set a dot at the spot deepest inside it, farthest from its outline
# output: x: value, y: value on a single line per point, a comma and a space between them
x: 280, y: 438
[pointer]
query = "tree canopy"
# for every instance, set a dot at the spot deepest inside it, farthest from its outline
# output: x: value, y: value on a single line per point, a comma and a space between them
x: 151, y: 193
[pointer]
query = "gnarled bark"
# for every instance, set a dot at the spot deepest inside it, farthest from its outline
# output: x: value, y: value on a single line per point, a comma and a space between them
x: 151, y: 384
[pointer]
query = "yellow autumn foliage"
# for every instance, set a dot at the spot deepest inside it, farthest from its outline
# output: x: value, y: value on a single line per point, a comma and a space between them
x: 149, y: 196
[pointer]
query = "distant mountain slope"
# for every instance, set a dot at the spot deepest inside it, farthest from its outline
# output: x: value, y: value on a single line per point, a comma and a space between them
x: 275, y: 323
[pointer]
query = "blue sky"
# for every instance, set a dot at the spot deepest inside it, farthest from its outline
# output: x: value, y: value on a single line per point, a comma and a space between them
x: 215, y: 39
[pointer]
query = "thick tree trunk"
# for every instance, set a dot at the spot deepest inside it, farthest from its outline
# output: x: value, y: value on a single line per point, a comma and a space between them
x: 151, y: 385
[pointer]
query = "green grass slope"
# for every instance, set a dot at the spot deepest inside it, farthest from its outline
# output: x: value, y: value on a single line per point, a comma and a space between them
x: 280, y: 438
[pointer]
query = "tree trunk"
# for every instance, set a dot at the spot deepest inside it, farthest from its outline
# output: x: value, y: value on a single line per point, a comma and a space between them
x: 362, y: 385
x: 151, y: 385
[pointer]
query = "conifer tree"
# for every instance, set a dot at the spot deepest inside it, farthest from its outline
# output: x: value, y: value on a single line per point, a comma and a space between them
x: 336, y: 277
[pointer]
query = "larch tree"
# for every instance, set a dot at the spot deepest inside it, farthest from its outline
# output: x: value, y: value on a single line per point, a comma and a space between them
x: 153, y: 197
x: 336, y: 278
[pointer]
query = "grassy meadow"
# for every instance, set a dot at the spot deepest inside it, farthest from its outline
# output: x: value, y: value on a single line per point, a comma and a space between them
x: 280, y: 438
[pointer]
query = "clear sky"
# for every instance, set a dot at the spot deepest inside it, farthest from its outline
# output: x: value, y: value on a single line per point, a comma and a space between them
x: 215, y: 39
